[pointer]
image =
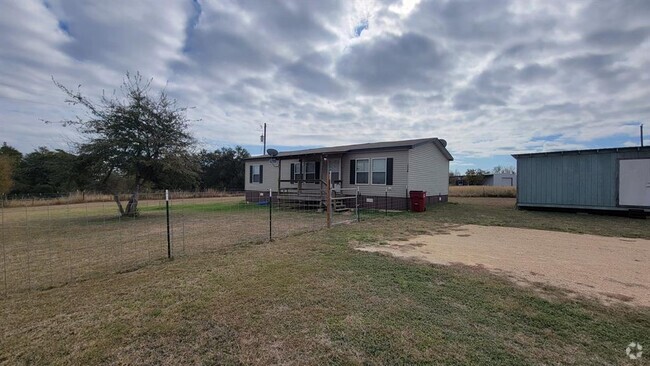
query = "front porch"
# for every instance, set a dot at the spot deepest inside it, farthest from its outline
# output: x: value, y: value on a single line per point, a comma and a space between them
x: 303, y: 183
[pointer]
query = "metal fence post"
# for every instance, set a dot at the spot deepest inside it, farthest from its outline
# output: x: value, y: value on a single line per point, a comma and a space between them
x: 169, y: 237
x: 4, y: 249
x: 356, y: 201
x: 270, y: 215
x: 386, y: 201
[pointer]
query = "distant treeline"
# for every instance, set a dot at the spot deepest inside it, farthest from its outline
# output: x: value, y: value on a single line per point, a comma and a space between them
x: 49, y: 172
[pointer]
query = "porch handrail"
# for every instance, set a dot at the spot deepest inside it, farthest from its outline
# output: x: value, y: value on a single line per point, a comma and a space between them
x: 315, y: 181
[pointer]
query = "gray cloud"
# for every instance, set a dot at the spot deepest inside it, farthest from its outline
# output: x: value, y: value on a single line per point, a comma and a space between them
x: 488, y: 76
x: 408, y: 62
x: 618, y: 38
x: 306, y: 75
x: 298, y: 21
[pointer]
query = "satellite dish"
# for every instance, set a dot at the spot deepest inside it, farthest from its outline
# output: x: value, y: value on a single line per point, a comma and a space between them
x: 272, y: 152
x: 443, y: 142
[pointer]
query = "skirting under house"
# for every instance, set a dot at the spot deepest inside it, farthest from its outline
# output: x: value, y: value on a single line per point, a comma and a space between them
x: 364, y: 201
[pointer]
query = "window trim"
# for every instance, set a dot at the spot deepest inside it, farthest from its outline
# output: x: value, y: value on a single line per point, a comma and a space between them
x: 256, y: 167
x: 356, y: 171
x: 385, y: 171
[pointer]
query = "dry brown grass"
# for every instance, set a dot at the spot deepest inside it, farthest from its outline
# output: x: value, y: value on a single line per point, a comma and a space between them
x: 83, y: 197
x: 482, y: 191
x: 48, y: 246
x: 312, y: 299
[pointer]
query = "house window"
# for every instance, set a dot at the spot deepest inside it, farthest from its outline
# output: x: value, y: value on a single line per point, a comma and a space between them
x: 362, y: 171
x: 310, y: 171
x: 334, y: 166
x: 379, y: 171
x: 296, y: 172
x: 256, y: 173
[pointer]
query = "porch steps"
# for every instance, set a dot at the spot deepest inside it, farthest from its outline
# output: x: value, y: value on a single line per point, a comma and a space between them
x: 339, y: 206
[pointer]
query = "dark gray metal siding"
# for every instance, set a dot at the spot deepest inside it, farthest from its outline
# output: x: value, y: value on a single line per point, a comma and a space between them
x: 586, y: 180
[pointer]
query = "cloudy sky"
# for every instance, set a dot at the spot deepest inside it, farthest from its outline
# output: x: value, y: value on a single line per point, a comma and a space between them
x: 491, y: 77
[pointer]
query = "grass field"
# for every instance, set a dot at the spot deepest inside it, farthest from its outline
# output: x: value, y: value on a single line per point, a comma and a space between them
x: 86, y: 197
x: 502, y: 212
x: 313, y: 299
x: 47, y: 246
x: 482, y: 191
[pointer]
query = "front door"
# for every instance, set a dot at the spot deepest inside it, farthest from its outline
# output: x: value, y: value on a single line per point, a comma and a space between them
x: 335, y: 170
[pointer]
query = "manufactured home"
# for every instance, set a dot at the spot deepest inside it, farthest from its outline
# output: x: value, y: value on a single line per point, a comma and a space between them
x: 615, y: 179
x: 379, y: 174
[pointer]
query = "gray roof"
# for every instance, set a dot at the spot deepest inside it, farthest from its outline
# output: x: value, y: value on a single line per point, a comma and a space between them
x: 440, y: 144
x: 610, y: 150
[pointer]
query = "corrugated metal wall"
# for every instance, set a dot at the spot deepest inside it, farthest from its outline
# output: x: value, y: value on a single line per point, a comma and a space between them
x: 586, y: 180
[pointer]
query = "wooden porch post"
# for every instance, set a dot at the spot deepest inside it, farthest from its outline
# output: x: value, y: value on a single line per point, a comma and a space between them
x: 301, y: 174
x: 321, y: 175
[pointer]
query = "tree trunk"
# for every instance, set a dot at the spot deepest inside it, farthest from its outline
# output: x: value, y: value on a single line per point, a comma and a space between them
x: 116, y: 198
x: 132, y: 205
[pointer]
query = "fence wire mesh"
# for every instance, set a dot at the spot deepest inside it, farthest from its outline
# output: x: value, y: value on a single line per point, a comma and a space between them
x: 48, y: 242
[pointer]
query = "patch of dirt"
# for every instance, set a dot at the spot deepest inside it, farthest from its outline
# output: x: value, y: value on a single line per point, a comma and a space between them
x: 610, y: 269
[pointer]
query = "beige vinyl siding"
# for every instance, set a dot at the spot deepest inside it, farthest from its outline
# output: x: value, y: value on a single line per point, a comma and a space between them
x: 428, y: 170
x: 400, y: 173
x: 269, y: 176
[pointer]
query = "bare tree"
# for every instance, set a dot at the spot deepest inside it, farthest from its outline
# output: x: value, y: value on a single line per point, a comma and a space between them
x: 503, y: 170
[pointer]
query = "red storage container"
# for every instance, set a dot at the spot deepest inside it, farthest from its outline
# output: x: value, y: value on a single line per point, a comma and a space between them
x: 418, y: 201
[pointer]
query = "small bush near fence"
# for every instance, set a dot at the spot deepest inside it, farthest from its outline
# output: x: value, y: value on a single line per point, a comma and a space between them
x: 482, y: 191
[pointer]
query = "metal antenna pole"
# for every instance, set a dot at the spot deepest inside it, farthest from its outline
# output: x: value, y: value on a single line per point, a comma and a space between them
x: 264, y: 152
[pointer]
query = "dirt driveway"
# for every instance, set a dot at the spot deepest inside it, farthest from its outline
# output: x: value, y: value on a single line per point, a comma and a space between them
x: 611, y: 269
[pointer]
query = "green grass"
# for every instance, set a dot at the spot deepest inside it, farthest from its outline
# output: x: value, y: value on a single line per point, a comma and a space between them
x: 206, y: 207
x: 499, y: 212
x: 312, y: 299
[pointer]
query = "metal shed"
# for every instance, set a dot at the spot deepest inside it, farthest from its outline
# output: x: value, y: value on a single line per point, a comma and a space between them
x: 501, y: 180
x: 616, y: 179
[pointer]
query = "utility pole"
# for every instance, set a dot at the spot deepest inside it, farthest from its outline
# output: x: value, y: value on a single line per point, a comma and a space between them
x: 641, y: 127
x: 264, y: 140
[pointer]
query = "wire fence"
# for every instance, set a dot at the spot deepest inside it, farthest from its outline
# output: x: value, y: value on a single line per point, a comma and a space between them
x: 49, y: 245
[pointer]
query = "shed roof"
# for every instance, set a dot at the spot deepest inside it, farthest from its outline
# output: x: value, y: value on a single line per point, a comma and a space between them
x: 611, y: 150
x: 367, y: 146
